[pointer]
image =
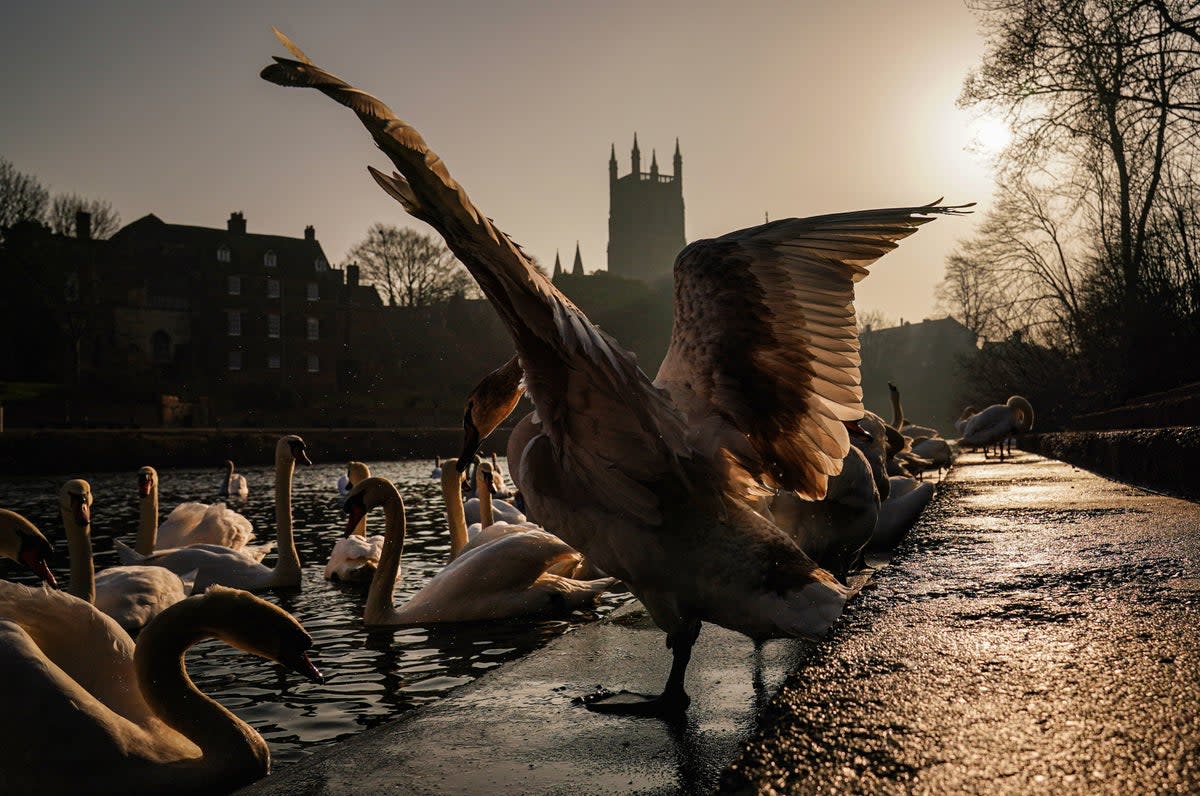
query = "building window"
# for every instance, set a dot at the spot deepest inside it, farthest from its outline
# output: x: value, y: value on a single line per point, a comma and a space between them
x: 272, y: 325
x: 223, y: 254
x: 321, y: 264
x: 314, y: 291
x: 273, y: 361
x: 314, y: 363
x: 269, y: 259
x: 314, y: 329
x: 235, y: 360
x: 235, y: 286
x: 160, y: 347
x: 272, y: 288
x: 235, y: 323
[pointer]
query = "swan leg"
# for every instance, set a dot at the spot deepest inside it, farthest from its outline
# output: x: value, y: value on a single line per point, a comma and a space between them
x: 672, y: 702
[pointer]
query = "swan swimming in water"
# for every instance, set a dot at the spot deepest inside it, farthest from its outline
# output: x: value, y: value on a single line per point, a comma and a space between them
x: 234, y: 485
x: 503, y: 579
x: 355, y: 557
x: 88, y: 713
x: 132, y: 594
x: 653, y: 481
x: 190, y: 523
x: 237, y: 568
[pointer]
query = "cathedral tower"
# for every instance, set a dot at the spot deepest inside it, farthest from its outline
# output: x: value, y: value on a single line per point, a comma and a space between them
x: 645, y: 217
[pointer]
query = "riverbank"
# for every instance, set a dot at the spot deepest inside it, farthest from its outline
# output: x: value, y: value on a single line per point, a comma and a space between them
x: 53, y: 451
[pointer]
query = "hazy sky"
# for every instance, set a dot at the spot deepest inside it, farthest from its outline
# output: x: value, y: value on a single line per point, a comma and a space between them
x: 788, y: 108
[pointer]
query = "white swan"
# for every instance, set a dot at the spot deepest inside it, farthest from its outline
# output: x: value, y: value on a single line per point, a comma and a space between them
x: 652, y: 481
x: 87, y: 713
x: 485, y: 509
x: 237, y: 568
x: 132, y: 595
x: 21, y: 541
x: 355, y: 557
x: 900, y: 511
x: 234, y: 485
x: 834, y: 530
x: 211, y: 522
x: 503, y: 579
x: 995, y: 424
x: 961, y: 424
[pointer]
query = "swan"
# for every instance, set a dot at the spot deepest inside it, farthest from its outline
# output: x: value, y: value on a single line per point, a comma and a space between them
x: 133, y: 721
x: 967, y: 413
x: 936, y: 450
x: 355, y: 472
x: 132, y: 595
x: 997, y: 422
x: 653, y: 481
x: 188, y: 524
x: 21, y: 541
x: 234, y: 485
x: 436, y: 472
x: 355, y: 557
x: 237, y: 568
x: 900, y: 511
x: 901, y: 424
x: 503, y: 579
x: 463, y: 539
x: 834, y: 530
x: 485, y: 509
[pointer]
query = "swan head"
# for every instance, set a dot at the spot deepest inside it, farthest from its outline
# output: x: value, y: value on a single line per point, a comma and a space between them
x: 488, y: 405
x: 357, y: 472
x: 21, y: 541
x: 365, y: 496
x: 229, y: 465
x: 253, y: 625
x: 484, y: 472
x: 147, y: 479
x: 75, y: 500
x: 291, y: 448
x: 1023, y: 411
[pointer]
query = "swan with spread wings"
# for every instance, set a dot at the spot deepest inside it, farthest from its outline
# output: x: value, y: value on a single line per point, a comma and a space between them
x: 652, y: 480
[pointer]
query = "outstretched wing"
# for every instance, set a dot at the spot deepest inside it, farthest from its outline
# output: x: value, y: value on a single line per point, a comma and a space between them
x: 613, y: 430
x: 764, y: 355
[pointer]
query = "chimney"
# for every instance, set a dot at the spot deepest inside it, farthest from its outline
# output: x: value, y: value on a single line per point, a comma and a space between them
x: 310, y: 233
x: 83, y: 225
x: 237, y: 223
x: 351, y: 274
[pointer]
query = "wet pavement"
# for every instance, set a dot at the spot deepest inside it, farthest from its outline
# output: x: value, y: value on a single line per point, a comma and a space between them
x: 1036, y: 632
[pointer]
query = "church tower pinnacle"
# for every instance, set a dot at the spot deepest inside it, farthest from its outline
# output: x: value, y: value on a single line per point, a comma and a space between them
x: 637, y: 157
x: 557, y: 266
x: 577, y: 268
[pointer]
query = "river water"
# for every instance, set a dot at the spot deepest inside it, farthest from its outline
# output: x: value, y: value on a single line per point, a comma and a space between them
x: 370, y: 676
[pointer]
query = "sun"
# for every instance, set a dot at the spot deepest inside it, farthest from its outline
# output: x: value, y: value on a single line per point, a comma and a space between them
x: 988, y: 134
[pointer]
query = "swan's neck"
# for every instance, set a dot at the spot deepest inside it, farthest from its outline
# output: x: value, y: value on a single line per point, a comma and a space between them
x: 456, y: 517
x: 147, y: 535
x: 229, y: 480
x: 379, y: 598
x: 486, y: 517
x: 232, y: 752
x: 897, y: 411
x: 288, y: 563
x: 79, y: 549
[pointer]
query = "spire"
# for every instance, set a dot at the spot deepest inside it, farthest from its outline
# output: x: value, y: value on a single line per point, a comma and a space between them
x: 557, y: 266
x: 577, y: 268
x: 612, y: 163
x: 654, y: 164
x: 637, y: 157
x: 678, y: 163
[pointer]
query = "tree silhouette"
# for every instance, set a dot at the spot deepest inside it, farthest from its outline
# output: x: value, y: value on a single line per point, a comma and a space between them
x: 22, y: 197
x: 104, y: 219
x: 410, y: 269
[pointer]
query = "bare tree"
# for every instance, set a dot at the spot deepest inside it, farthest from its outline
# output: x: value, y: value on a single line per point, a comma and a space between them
x: 1104, y: 99
x: 22, y: 197
x: 971, y: 294
x: 104, y: 219
x: 410, y: 268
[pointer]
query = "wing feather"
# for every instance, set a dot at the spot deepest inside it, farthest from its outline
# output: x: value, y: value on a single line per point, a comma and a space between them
x: 766, y: 338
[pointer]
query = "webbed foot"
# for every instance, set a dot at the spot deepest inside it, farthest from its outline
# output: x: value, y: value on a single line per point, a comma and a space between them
x: 628, y: 703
